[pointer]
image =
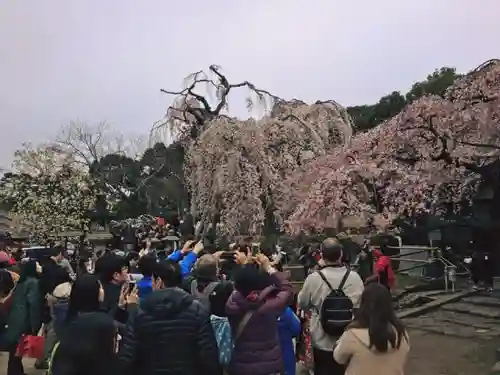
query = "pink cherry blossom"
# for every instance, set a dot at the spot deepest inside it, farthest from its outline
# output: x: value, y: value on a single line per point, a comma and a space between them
x: 427, y: 158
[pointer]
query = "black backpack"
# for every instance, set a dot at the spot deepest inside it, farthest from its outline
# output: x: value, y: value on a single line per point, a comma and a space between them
x: 337, y: 309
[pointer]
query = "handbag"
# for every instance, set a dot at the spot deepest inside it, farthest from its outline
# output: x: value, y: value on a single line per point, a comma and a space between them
x: 31, y: 346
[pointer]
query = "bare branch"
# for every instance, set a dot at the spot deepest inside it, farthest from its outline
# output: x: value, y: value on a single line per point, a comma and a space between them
x: 480, y: 145
x: 486, y: 64
x: 446, y: 144
x: 91, y: 143
x: 42, y: 159
x: 192, y: 111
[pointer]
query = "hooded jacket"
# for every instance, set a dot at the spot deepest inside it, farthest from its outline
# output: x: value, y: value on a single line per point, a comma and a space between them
x: 257, y: 351
x: 169, y: 334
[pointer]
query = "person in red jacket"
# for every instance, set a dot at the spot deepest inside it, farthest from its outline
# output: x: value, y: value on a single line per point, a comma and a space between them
x: 6, y: 262
x: 382, y: 270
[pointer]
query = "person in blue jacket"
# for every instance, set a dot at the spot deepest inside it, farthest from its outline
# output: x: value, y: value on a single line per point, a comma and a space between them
x: 146, y: 266
x: 187, y: 257
x: 288, y: 328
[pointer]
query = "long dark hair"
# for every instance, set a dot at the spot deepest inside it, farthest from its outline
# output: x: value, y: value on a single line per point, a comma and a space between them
x: 376, y: 314
x: 28, y: 270
x: 87, y: 346
x: 84, y: 296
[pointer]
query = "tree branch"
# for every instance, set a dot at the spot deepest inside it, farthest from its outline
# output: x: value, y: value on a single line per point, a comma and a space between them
x: 445, y: 153
x: 207, y: 112
x: 480, y: 145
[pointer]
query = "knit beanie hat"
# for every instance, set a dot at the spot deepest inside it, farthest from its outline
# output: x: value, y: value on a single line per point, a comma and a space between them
x: 205, y: 267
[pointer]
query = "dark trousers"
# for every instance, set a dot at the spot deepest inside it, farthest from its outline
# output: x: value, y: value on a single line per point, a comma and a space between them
x: 50, y: 341
x: 324, y: 364
x: 15, y: 364
x: 482, y: 271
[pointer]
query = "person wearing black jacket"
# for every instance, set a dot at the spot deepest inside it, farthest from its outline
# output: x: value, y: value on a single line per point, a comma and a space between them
x: 112, y: 271
x: 87, y: 346
x: 309, y: 257
x: 52, y: 275
x: 170, y: 333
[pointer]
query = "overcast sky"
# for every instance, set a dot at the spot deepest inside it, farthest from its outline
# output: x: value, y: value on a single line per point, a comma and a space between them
x: 95, y: 60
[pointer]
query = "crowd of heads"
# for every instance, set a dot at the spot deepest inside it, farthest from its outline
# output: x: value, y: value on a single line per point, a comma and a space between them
x: 243, y: 263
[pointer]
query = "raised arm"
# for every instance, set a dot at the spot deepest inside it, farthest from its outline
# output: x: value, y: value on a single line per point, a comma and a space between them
x: 284, y: 296
x: 176, y: 256
x: 187, y: 264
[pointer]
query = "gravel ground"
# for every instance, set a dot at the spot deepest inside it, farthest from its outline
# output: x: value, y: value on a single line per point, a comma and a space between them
x: 431, y: 354
x: 28, y: 366
x: 434, y: 354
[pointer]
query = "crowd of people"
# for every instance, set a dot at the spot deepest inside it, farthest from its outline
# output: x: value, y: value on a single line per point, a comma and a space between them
x: 200, y: 311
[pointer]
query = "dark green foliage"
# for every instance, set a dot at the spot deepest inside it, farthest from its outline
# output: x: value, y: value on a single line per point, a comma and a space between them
x: 153, y: 184
x: 368, y: 116
x: 435, y: 84
x: 117, y: 170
